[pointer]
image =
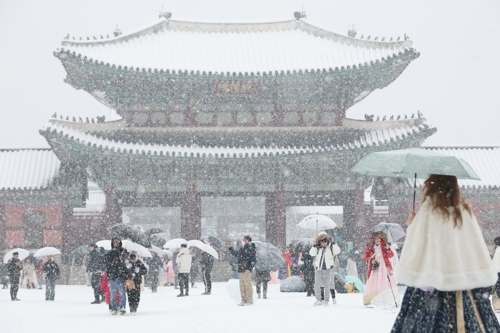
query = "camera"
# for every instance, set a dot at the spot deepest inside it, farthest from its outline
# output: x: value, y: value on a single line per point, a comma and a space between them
x: 375, y: 265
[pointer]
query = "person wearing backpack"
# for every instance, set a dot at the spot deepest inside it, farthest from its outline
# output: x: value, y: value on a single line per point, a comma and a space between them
x: 52, y: 273
x: 323, y: 252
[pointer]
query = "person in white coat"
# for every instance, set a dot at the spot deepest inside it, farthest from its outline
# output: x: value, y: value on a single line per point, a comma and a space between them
x: 446, y: 265
x: 323, y: 252
x: 184, y: 261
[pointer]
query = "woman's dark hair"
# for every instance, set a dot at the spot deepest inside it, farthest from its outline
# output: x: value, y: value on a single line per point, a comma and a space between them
x: 445, y: 192
x: 497, y: 241
x: 248, y: 238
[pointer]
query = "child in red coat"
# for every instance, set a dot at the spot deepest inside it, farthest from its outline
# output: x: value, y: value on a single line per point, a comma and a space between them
x: 107, y: 291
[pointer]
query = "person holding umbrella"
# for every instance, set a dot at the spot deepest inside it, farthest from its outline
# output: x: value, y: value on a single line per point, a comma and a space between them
x: 246, y: 256
x: 117, y: 274
x: 52, y: 273
x: 14, y: 267
x: 184, y: 261
x: 446, y: 264
x: 378, y: 256
x: 323, y: 252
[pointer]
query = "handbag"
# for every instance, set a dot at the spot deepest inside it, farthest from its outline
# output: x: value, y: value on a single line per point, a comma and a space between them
x: 129, y: 284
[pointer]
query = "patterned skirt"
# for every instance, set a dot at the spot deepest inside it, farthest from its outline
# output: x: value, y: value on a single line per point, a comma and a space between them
x: 466, y: 311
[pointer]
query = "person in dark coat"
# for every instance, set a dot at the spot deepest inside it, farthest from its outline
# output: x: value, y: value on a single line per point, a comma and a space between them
x: 117, y: 274
x: 262, y: 278
x: 207, y: 263
x: 155, y: 264
x: 96, y: 266
x: 136, y: 270
x: 14, y: 267
x: 4, y: 275
x: 52, y: 273
x: 246, y: 261
x: 307, y: 270
x: 193, y: 274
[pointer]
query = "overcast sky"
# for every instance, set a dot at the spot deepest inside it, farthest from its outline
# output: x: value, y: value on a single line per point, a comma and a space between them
x: 454, y: 83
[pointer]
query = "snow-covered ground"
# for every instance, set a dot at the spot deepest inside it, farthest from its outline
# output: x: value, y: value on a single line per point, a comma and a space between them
x: 163, y: 311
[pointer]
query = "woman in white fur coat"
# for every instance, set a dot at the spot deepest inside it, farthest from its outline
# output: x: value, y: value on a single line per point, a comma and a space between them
x: 29, y: 280
x: 446, y: 265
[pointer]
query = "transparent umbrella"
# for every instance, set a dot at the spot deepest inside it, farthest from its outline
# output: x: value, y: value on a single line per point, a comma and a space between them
x: 317, y: 222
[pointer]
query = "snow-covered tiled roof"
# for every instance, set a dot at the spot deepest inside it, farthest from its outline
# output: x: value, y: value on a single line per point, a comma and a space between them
x: 27, y: 168
x: 485, y: 161
x: 379, y: 137
x: 234, y: 47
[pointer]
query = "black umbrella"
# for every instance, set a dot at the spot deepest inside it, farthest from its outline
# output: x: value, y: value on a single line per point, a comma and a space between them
x: 152, y: 231
x: 269, y: 257
x: 215, y: 242
x: 81, y: 250
x: 302, y: 245
x: 134, y: 234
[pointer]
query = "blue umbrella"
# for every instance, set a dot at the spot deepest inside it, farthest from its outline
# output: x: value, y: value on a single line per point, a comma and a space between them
x: 357, y: 283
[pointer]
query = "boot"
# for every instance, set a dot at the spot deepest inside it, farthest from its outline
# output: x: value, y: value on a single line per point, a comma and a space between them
x: 258, y: 295
x: 96, y: 301
x: 265, y: 294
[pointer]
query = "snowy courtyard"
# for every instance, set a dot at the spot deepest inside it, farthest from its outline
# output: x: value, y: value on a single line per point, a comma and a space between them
x: 281, y: 312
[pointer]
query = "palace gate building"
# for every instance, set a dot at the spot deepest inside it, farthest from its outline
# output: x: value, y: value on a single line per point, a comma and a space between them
x: 218, y: 110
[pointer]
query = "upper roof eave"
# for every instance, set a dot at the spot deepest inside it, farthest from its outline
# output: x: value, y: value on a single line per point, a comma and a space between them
x: 376, y: 138
x: 218, y: 27
x: 121, y: 125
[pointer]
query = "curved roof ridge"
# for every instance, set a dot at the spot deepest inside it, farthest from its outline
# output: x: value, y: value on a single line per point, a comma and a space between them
x: 240, y: 27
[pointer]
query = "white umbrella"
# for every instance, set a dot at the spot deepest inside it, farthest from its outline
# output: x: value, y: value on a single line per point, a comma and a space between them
x: 204, y: 247
x: 174, y: 243
x: 195, y: 242
x: 163, y: 235
x: 46, y: 251
x: 317, y: 222
x: 105, y: 244
x: 159, y: 251
x: 137, y: 248
x: 23, y: 254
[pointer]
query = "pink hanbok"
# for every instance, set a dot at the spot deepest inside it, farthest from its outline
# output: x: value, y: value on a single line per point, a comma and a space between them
x: 381, y: 278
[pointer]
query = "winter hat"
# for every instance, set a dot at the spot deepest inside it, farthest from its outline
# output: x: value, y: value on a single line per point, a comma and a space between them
x: 15, y: 253
x: 132, y: 256
x: 93, y: 244
x: 248, y: 238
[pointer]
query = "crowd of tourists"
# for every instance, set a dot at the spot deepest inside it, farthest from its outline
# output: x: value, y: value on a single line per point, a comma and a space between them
x: 444, y: 262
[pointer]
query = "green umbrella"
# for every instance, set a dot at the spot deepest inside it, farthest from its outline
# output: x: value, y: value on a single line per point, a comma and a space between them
x: 409, y: 163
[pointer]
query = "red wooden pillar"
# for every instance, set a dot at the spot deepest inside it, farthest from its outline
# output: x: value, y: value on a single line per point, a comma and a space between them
x: 113, y: 212
x: 275, y: 209
x: 353, y: 216
x: 191, y: 214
